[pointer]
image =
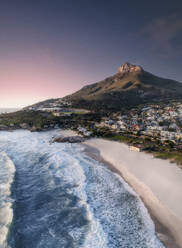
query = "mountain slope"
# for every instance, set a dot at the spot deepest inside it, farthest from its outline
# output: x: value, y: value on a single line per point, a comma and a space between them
x: 131, y: 85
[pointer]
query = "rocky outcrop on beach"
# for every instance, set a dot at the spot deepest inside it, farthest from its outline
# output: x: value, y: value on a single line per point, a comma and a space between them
x: 24, y: 126
x: 3, y: 127
x: 70, y: 139
x: 6, y: 127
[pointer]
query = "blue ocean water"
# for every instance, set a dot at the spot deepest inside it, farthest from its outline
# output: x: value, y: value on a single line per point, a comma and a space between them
x: 56, y: 196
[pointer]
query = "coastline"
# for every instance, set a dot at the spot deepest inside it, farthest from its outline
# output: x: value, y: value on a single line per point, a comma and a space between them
x: 167, y: 218
x: 126, y: 163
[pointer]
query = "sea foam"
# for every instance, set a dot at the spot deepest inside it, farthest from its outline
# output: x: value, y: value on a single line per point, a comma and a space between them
x: 7, y: 171
x: 66, y: 199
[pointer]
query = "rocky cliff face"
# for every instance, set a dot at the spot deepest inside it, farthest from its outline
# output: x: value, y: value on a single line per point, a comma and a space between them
x: 127, y: 67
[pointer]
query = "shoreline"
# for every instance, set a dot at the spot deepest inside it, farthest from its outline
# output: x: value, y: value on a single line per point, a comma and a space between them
x: 168, y: 227
x: 126, y: 163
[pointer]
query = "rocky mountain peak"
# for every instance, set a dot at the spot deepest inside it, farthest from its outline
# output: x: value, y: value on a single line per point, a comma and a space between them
x: 127, y: 67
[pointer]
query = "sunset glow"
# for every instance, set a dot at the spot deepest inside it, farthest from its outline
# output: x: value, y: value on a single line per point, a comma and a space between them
x: 26, y: 81
x: 48, y: 49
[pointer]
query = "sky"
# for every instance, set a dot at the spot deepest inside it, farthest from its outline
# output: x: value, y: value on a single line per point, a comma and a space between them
x: 51, y: 48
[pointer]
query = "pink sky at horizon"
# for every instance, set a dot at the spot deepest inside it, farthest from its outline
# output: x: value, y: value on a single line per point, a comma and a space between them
x: 27, y: 80
x: 49, y: 49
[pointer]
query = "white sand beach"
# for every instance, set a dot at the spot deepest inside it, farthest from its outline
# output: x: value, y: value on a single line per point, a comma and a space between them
x: 156, y: 181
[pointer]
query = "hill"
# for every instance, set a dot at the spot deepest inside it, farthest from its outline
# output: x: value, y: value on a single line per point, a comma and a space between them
x: 130, y: 86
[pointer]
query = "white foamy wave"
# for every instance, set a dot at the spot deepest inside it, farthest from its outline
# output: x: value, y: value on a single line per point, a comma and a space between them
x: 69, y: 169
x: 119, y: 204
x: 102, y: 210
x: 7, y: 171
x: 59, y: 166
x: 148, y: 224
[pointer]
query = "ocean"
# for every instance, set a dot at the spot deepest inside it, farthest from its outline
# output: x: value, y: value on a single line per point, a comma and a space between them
x: 52, y: 195
x: 8, y: 110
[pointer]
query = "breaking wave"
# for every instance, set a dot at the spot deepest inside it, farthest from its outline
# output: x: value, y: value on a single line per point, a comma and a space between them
x: 7, y: 171
x: 63, y: 198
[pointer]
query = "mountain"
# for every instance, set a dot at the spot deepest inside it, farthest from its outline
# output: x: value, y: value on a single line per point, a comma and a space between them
x: 130, y: 86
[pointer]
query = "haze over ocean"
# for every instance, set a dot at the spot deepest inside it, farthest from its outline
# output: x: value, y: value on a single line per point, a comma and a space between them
x: 8, y: 110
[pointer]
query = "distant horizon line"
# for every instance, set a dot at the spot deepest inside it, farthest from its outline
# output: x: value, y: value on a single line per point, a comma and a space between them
x: 11, y: 107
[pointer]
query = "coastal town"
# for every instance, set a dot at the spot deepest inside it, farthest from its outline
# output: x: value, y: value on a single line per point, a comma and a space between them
x: 155, y: 128
x: 162, y: 122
